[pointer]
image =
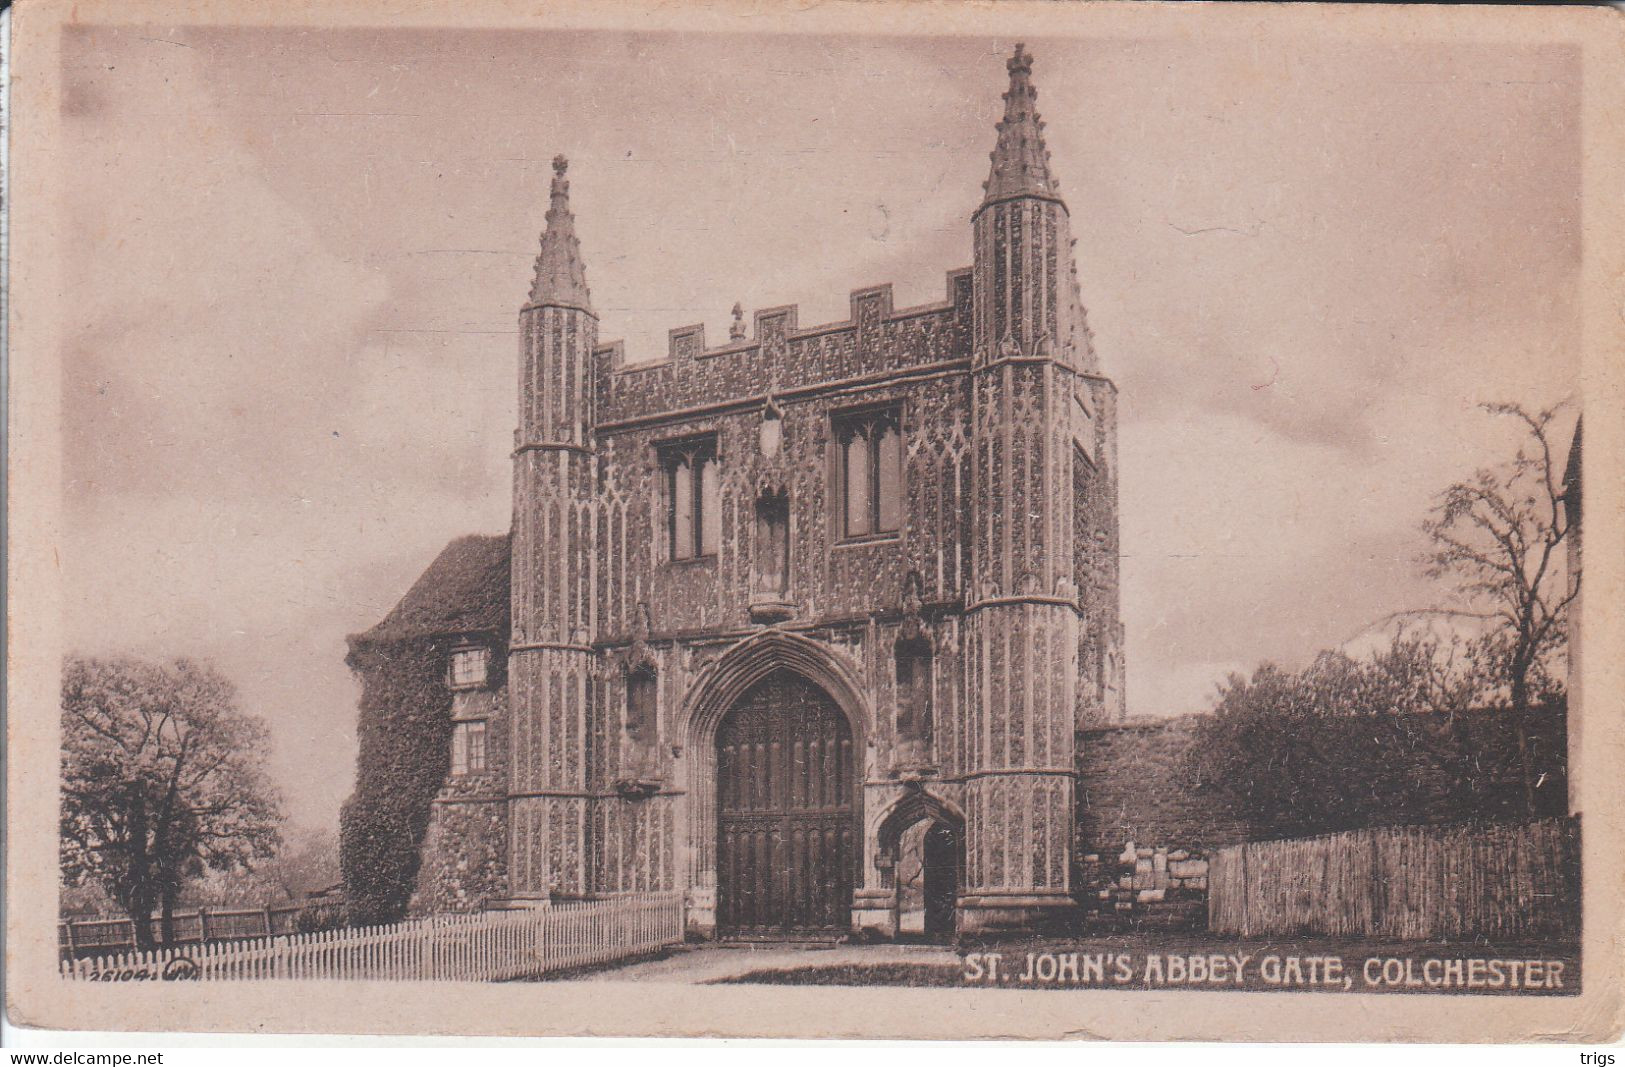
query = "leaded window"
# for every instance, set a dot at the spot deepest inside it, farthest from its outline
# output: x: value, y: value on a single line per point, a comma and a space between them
x: 693, y: 498
x: 469, y: 667
x: 871, y: 473
x: 468, y: 748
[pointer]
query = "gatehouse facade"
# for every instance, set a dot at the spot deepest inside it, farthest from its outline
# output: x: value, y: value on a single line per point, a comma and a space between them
x: 803, y: 623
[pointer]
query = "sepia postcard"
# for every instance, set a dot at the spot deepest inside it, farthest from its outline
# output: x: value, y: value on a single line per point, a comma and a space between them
x: 920, y: 520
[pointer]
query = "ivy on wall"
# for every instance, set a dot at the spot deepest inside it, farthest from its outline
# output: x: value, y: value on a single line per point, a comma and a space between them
x: 405, y: 722
x: 405, y: 752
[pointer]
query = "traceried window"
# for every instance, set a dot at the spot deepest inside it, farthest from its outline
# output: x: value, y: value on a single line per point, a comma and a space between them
x: 693, y: 505
x: 871, y: 473
x: 468, y: 748
x: 469, y: 668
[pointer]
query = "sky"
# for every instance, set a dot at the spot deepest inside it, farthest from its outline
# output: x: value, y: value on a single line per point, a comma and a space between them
x: 298, y: 257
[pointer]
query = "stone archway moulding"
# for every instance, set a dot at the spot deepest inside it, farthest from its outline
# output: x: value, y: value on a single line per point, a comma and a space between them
x: 754, y: 658
x: 915, y: 804
x: 717, y: 691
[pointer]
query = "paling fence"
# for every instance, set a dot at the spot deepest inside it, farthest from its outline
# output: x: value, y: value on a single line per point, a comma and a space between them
x: 80, y: 936
x: 489, y: 946
x: 1511, y: 881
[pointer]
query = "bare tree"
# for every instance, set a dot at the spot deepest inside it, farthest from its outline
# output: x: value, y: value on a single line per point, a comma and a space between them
x: 160, y: 779
x: 1498, y: 539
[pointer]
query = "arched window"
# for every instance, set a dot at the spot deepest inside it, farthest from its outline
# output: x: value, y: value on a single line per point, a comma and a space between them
x: 871, y: 473
x: 693, y: 498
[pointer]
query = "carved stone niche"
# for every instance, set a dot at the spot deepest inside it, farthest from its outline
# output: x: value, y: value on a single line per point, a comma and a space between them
x: 915, y: 687
x: 770, y: 577
x: 638, y: 768
x: 770, y: 562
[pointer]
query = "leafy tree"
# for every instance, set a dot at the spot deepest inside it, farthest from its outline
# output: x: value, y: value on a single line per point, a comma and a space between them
x: 1498, y: 539
x: 160, y: 780
x: 308, y: 863
x: 84, y: 899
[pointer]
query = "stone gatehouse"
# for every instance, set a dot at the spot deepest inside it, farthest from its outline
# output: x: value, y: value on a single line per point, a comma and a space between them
x: 793, y: 613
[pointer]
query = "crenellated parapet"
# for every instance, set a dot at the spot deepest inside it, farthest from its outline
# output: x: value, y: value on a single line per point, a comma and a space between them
x: 876, y: 340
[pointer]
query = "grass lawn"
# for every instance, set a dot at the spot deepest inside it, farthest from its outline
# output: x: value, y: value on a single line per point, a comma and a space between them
x: 1197, y: 961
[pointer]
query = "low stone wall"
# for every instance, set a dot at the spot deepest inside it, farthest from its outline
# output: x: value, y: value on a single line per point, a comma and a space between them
x: 1149, y: 872
x: 1144, y: 831
x: 1146, y: 884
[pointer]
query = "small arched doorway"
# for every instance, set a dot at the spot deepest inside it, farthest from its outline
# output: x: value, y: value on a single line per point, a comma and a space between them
x: 785, y: 813
x: 922, y: 840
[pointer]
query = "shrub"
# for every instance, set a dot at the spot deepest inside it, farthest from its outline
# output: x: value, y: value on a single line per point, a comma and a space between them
x: 1394, y: 739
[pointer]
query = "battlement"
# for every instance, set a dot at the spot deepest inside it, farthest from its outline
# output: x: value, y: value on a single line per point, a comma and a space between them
x: 869, y: 308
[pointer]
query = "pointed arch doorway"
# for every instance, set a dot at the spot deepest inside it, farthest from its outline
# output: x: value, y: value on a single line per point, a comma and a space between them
x: 924, y: 836
x: 786, y: 814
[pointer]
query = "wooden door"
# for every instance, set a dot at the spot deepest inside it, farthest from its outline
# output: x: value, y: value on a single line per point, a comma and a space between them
x: 785, y: 820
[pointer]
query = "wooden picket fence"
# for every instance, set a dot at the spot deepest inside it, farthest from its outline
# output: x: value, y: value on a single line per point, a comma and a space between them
x: 1503, y: 881
x: 484, y: 947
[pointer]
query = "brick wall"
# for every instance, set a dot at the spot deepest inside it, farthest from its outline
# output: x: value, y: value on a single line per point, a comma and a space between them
x: 1132, y: 786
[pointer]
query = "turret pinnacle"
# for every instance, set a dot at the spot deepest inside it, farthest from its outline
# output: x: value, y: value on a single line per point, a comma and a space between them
x: 560, y: 276
x: 1020, y: 161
